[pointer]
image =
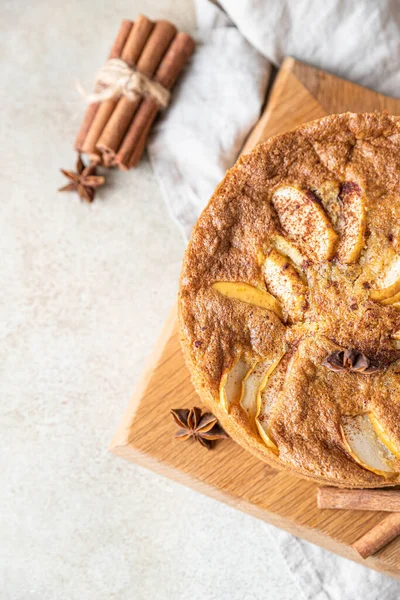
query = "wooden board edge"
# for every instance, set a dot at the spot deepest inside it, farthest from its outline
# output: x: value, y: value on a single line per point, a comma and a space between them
x: 130, y: 453
x: 311, y: 78
x: 121, y: 436
x: 281, y: 76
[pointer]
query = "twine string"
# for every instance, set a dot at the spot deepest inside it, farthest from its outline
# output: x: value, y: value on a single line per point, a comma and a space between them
x: 115, y: 78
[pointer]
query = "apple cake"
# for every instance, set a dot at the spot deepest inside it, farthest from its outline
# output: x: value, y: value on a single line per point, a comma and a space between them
x: 289, y: 301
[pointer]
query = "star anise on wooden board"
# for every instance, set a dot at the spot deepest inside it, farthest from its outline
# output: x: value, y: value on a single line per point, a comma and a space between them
x: 350, y: 360
x: 85, y: 181
x: 203, y: 428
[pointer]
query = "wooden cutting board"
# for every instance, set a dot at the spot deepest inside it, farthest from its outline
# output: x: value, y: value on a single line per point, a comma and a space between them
x: 146, y: 435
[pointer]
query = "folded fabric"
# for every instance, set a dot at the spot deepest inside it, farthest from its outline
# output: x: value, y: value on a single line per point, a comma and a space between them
x: 215, y: 107
x: 359, y: 40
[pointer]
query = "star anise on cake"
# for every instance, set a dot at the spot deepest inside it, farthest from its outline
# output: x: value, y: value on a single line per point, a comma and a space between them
x: 203, y: 428
x: 85, y: 181
x: 350, y: 360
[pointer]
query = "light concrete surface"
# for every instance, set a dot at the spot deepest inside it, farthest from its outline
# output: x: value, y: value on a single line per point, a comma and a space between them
x: 84, y: 293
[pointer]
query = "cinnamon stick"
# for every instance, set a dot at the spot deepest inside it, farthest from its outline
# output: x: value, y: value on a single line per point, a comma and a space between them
x: 138, y: 147
x: 119, y: 121
x: 379, y: 536
x: 385, y: 500
x: 172, y: 64
x: 91, y: 111
x: 133, y: 47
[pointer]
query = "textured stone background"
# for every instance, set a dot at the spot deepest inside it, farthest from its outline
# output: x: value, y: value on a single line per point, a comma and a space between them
x: 84, y: 293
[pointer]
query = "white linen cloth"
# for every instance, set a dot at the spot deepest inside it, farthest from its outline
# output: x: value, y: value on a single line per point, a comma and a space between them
x: 212, y: 112
x: 215, y: 107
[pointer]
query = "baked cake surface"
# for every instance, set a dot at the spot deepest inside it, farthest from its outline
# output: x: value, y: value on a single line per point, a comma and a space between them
x: 289, y: 302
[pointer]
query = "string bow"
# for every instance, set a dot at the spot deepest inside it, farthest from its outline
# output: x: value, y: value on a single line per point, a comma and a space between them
x: 116, y: 78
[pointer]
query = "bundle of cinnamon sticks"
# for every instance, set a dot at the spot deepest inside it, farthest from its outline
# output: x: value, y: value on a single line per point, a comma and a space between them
x: 114, y: 132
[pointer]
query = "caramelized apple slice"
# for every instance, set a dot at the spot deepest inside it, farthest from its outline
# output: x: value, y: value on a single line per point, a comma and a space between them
x: 385, y: 438
x: 393, y: 300
x: 255, y: 379
x: 390, y: 285
x: 365, y: 447
x: 302, y: 215
x: 230, y: 388
x: 352, y: 223
x: 249, y: 294
x: 284, y: 282
x: 287, y: 248
x: 265, y: 435
x: 262, y: 420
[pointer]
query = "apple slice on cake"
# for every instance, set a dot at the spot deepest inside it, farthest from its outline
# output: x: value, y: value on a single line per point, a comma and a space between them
x: 303, y: 217
x: 389, y: 286
x: 266, y: 400
x: 285, y: 283
x: 249, y: 294
x: 230, y: 389
x: 287, y: 248
x: 255, y: 381
x: 242, y: 383
x: 392, y: 301
x: 352, y: 223
x: 389, y: 442
x: 366, y: 447
x: 251, y: 384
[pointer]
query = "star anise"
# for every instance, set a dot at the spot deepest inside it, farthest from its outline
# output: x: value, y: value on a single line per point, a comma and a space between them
x: 350, y: 360
x: 202, y: 428
x: 84, y: 181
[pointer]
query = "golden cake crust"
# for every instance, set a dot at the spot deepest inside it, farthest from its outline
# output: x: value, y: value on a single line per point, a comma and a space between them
x: 330, y: 189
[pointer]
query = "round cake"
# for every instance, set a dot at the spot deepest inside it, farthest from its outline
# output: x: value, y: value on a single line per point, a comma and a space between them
x: 289, y: 302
